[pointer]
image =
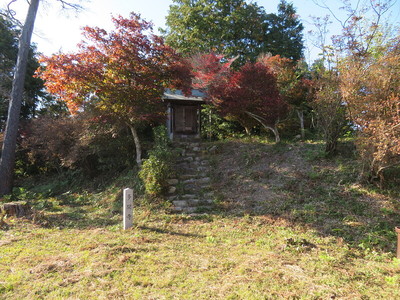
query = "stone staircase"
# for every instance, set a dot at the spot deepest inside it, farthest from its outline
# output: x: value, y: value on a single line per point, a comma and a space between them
x: 190, y: 192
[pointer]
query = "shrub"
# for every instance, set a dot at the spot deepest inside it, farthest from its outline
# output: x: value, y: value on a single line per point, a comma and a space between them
x: 214, y: 127
x: 154, y: 173
x: 157, y: 168
x: 74, y: 143
x: 330, y: 111
x: 371, y: 87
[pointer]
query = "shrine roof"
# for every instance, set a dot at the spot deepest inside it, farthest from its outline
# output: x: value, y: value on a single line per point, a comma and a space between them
x: 178, y: 95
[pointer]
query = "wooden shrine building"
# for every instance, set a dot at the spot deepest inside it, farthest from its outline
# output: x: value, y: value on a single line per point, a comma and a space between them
x: 183, y: 113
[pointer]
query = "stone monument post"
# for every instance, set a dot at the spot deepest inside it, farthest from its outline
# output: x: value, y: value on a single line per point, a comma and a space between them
x: 128, y: 208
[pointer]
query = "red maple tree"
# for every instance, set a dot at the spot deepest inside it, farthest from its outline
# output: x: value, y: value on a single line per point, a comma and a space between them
x: 209, y: 68
x: 249, y: 95
x: 120, y: 75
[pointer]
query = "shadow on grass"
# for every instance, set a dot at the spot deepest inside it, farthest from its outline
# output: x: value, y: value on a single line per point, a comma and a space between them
x: 297, y: 183
x: 175, y: 233
x: 77, y: 220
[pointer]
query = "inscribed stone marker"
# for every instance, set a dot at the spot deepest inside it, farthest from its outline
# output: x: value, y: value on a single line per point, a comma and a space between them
x: 128, y: 208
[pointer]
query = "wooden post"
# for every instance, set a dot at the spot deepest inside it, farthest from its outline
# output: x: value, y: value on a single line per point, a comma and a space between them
x: 128, y: 208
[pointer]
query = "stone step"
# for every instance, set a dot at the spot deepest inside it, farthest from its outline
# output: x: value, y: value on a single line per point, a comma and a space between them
x: 187, y: 166
x: 205, y: 202
x: 188, y: 196
x: 199, y: 181
x: 193, y: 160
x: 198, y: 189
x: 185, y: 209
x: 172, y: 198
x: 182, y: 164
x: 173, y: 181
x: 188, y: 163
x: 192, y: 169
x: 180, y: 203
x: 209, y: 195
x: 186, y: 145
x: 189, y: 181
x: 202, y: 168
x: 204, y: 180
x: 191, y: 202
x: 192, y: 154
x: 188, y: 176
x: 192, y: 209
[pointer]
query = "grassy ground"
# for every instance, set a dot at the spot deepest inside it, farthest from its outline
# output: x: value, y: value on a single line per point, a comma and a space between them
x: 290, y: 224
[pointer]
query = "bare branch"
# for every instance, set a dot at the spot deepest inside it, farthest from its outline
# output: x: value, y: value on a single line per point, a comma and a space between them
x: 10, y: 13
x: 381, y: 169
x: 69, y: 5
x: 379, y: 10
x: 352, y: 12
x: 317, y: 3
x: 263, y: 121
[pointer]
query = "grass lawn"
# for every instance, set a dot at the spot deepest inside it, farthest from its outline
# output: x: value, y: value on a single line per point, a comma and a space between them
x: 289, y: 224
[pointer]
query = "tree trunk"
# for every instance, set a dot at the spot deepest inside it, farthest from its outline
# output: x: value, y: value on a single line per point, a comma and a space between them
x: 274, y: 130
x: 300, y: 114
x: 7, y: 160
x: 261, y: 121
x: 331, y: 147
x: 209, y: 133
x: 137, y: 145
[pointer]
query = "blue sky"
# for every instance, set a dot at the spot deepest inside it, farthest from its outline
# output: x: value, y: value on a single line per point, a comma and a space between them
x: 56, y: 30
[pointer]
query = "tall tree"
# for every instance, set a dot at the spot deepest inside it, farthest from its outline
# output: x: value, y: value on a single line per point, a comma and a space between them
x: 33, y: 86
x: 8, y: 54
x: 234, y: 28
x: 7, y: 159
x: 10, y: 138
x: 224, y: 26
x: 119, y: 75
x: 285, y: 32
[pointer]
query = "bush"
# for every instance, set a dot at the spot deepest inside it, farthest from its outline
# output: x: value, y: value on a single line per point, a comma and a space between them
x: 330, y: 111
x: 154, y: 174
x: 214, y: 127
x: 73, y: 143
x: 157, y: 168
x: 371, y: 86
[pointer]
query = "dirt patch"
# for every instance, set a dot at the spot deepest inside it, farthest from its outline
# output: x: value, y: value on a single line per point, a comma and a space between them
x: 53, y: 265
x: 6, y: 242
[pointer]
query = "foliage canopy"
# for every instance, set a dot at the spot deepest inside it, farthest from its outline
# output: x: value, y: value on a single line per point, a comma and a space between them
x: 233, y: 28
